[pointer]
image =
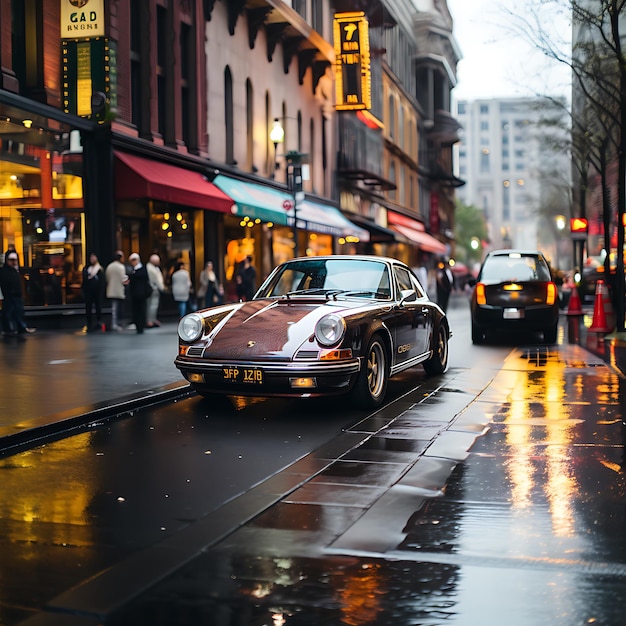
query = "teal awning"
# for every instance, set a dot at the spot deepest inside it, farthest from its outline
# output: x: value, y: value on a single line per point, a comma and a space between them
x: 323, y: 218
x: 255, y: 201
x: 268, y: 204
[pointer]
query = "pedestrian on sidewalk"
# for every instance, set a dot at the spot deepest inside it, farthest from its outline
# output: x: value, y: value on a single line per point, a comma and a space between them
x: 139, y: 290
x: 93, y: 292
x: 116, y: 281
x: 13, y: 323
x: 246, y: 280
x: 181, y: 288
x: 445, y: 282
x: 155, y: 275
x: 209, y: 290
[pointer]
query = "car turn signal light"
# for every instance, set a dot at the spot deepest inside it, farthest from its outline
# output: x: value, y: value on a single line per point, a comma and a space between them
x: 336, y: 354
x: 551, y: 294
x: 481, y: 297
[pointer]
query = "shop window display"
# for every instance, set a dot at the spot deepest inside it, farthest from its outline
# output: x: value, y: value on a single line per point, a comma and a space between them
x: 41, y: 206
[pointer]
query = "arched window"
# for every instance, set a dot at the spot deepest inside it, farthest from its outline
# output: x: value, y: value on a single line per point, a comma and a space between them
x: 249, y: 126
x: 299, y: 131
x: 270, y: 157
x: 228, y: 117
x: 312, y: 153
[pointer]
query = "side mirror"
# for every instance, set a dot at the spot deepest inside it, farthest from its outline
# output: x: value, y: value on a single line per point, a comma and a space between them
x: 408, y: 295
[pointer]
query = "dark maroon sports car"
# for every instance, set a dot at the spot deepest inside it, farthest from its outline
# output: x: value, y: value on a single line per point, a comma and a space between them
x: 317, y: 326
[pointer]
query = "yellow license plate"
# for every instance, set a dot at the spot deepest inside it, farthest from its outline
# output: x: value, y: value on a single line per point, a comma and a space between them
x: 245, y: 375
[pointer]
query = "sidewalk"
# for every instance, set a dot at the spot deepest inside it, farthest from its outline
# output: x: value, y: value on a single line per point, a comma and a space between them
x: 56, y: 378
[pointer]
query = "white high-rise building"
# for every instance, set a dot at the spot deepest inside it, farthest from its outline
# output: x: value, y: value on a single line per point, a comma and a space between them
x: 504, y: 163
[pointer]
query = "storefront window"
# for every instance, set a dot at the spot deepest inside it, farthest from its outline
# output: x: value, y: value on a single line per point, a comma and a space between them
x: 172, y: 237
x: 241, y: 241
x: 319, y: 245
x: 41, y: 204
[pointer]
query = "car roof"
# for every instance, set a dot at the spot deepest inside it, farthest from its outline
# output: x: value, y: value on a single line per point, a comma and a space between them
x: 508, y: 251
x: 353, y: 257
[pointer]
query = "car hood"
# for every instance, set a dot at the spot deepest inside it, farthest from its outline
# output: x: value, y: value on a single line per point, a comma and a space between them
x: 273, y: 329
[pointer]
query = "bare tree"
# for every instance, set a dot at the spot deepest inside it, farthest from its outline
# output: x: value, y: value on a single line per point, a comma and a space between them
x: 598, y: 112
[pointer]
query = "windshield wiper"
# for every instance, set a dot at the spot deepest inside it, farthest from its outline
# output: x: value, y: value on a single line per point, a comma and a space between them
x: 328, y: 293
x: 374, y: 294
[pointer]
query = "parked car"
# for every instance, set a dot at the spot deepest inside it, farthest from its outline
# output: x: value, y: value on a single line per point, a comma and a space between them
x: 317, y: 326
x: 514, y: 292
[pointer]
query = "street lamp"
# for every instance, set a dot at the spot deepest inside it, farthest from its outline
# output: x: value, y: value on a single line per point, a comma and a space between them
x: 277, y: 135
x: 294, y: 182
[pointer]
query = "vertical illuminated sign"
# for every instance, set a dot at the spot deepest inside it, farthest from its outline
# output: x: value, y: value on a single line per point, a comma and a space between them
x: 86, y: 54
x: 352, y: 62
x: 83, y: 79
x: 86, y: 70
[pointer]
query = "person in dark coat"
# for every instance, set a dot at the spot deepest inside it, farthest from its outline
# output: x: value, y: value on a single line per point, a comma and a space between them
x: 13, y: 298
x: 445, y: 282
x: 246, y: 280
x: 93, y: 292
x: 139, y: 290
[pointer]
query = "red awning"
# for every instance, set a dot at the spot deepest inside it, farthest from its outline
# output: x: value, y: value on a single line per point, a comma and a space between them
x: 415, y: 231
x: 136, y: 177
x: 423, y: 240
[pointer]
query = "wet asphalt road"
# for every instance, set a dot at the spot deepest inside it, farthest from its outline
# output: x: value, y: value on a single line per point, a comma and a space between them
x: 492, y: 494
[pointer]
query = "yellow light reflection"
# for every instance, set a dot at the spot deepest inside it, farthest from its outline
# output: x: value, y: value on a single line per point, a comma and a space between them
x: 360, y: 596
x: 62, y: 506
x: 532, y: 436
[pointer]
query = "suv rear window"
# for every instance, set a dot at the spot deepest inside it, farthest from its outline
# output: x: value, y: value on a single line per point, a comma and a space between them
x: 514, y: 267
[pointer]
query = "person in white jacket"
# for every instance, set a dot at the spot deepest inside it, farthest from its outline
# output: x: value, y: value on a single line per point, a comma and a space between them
x: 181, y: 288
x: 155, y: 276
x: 116, y: 280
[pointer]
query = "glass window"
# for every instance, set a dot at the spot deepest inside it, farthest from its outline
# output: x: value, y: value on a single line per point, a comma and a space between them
x: 41, y: 205
x: 354, y: 277
x: 515, y: 266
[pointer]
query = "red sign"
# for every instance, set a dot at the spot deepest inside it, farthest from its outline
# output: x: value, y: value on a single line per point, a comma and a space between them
x: 287, y: 205
x: 579, y: 227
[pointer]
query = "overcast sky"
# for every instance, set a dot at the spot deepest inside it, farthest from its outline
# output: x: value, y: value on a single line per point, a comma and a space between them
x: 498, y: 64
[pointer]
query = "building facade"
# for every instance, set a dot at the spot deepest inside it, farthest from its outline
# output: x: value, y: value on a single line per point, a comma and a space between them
x: 148, y: 127
x: 509, y: 171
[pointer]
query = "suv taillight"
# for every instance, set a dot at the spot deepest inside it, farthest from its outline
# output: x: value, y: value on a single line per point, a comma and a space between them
x: 481, y: 298
x: 551, y: 294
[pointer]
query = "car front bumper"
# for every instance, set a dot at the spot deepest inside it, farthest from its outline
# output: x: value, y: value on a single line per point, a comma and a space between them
x: 284, y: 379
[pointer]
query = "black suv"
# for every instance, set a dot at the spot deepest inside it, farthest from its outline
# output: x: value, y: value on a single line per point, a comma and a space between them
x: 515, y: 291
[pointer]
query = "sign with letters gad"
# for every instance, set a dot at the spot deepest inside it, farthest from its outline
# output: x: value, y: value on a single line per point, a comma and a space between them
x: 82, y: 18
x: 352, y: 62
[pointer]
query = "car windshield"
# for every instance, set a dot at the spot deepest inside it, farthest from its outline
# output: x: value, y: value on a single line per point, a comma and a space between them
x: 514, y: 267
x: 360, y: 278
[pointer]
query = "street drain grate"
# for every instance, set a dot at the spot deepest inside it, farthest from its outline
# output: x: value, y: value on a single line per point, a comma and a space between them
x: 540, y: 355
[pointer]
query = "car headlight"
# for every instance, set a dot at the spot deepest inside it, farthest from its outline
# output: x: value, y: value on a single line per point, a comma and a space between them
x: 190, y: 327
x: 330, y: 330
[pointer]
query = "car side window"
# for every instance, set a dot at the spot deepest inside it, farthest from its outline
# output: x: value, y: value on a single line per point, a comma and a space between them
x: 417, y: 286
x: 403, y: 278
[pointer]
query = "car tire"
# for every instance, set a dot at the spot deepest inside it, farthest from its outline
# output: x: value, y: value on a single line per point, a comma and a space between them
x: 371, y: 385
x: 550, y: 334
x: 438, y: 362
x: 478, y: 335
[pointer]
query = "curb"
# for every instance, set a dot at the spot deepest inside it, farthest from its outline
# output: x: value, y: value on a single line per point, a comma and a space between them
x: 59, y: 425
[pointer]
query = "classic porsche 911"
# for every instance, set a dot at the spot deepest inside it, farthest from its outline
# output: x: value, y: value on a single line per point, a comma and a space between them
x: 317, y: 326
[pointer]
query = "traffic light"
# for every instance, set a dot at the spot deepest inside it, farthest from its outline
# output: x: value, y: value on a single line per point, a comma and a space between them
x: 579, y: 227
